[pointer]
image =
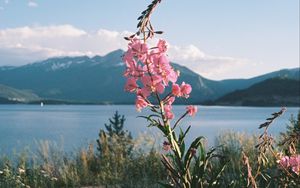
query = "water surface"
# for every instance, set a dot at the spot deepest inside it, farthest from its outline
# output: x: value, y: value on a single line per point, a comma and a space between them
x: 74, y: 126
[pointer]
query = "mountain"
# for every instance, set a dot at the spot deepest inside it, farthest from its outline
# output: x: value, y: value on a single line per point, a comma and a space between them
x: 233, y: 84
x: 271, y: 92
x: 81, y: 79
x: 99, y: 80
x: 12, y: 95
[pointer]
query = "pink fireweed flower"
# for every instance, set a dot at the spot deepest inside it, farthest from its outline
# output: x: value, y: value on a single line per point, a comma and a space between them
x: 284, y: 161
x: 191, y: 110
x: 153, y: 84
x: 168, y: 112
x: 163, y: 68
x: 162, y: 46
x: 134, y: 71
x: 145, y: 92
x: 181, y: 91
x: 172, y: 76
x: 186, y: 89
x: 160, y: 59
x: 292, y: 162
x: 166, y: 146
x: 131, y: 85
x: 295, y: 164
x: 176, y: 91
x: 132, y: 67
x: 139, y: 49
x: 169, y: 100
x: 140, y: 103
x: 128, y: 56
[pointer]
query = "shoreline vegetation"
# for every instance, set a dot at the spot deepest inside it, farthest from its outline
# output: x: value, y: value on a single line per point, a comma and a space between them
x: 119, y: 160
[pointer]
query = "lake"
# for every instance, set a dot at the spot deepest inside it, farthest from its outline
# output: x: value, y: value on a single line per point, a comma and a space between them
x: 75, y: 126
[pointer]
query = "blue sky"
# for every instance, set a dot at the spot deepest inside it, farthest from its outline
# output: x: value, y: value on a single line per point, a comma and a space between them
x: 218, y: 39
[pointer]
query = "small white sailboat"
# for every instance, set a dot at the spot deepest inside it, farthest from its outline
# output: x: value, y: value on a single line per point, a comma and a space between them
x: 42, y: 104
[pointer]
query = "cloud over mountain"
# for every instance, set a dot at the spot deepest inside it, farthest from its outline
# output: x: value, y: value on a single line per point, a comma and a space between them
x: 27, y: 44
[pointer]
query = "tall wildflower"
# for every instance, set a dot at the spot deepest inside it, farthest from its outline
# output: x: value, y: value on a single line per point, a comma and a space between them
x: 149, y: 72
x: 153, y: 80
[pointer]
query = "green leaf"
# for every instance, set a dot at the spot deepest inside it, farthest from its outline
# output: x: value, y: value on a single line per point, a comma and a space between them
x: 159, y: 32
x: 170, y: 167
x: 141, y: 17
x: 198, y: 170
x: 188, y: 156
x: 182, y: 147
x: 139, y: 24
x: 214, y: 180
x: 182, y: 135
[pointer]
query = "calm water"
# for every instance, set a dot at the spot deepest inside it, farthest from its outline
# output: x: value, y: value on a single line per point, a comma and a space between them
x: 74, y: 126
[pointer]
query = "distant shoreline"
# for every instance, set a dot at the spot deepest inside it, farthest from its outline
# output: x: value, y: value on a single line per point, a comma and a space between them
x: 108, y: 104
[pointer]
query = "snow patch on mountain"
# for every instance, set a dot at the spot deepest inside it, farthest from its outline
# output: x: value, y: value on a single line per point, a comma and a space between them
x: 60, y: 66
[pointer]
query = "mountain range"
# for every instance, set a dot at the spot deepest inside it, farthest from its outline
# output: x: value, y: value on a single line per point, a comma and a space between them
x: 99, y: 79
x: 271, y: 92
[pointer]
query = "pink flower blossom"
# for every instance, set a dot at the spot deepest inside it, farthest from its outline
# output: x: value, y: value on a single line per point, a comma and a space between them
x: 176, y: 91
x: 131, y: 85
x: 145, y: 92
x: 183, y: 90
x: 186, y: 89
x: 284, y: 161
x: 132, y: 68
x: 151, y: 67
x: 295, y: 160
x: 153, y: 84
x: 162, y: 46
x: 128, y: 56
x: 160, y: 65
x: 172, y: 76
x: 191, y: 110
x: 170, y: 100
x: 163, y: 60
x: 166, y: 146
x: 140, y: 103
x: 139, y: 48
x: 168, y: 112
x: 295, y: 164
x: 292, y: 162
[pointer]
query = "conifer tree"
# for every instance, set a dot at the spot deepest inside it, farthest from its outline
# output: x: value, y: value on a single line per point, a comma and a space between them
x: 116, y: 125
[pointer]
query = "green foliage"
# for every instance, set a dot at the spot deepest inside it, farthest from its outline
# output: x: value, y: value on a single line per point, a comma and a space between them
x: 50, y: 166
x: 119, y: 164
x: 290, y: 140
x: 115, y: 140
x: 231, y: 145
x: 187, y: 166
x: 116, y: 125
x: 251, y: 166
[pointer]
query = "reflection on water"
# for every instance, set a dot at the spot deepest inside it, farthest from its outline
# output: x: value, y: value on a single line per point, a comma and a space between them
x: 76, y: 125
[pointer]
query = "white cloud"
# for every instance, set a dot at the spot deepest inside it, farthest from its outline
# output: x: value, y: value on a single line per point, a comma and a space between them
x: 27, y: 44
x: 6, y: 1
x: 208, y: 65
x: 32, y: 4
x: 36, y: 43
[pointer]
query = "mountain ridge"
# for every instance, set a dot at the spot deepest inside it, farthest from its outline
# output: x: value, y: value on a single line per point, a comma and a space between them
x: 270, y: 92
x: 99, y: 79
